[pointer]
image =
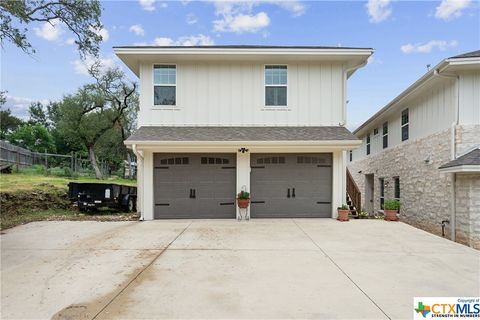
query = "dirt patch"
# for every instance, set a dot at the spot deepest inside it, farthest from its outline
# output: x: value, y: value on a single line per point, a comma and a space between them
x: 15, y: 203
x: 47, y: 202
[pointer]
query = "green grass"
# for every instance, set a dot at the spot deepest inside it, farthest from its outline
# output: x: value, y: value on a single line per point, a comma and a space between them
x: 26, y: 181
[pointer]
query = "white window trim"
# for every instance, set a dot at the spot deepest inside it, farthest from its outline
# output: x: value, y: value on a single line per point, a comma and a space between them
x: 164, y: 106
x: 269, y: 108
x: 403, y: 125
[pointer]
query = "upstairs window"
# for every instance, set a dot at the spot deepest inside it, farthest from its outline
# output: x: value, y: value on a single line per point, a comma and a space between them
x: 368, y: 144
x: 385, y: 135
x: 276, y: 86
x: 164, y: 85
x: 405, y: 125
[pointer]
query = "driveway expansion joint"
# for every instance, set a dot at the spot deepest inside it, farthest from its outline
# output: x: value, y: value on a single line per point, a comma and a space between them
x: 138, y: 274
x: 341, y: 270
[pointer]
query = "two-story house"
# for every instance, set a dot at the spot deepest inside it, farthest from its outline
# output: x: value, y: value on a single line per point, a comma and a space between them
x: 217, y: 120
x: 422, y: 148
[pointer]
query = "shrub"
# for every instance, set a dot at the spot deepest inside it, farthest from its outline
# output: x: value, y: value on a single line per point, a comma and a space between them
x: 391, y: 204
x: 343, y: 207
x: 243, y: 195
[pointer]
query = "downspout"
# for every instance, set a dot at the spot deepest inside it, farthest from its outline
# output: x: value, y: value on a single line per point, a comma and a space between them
x: 453, y: 151
x: 139, y: 155
x: 345, y: 78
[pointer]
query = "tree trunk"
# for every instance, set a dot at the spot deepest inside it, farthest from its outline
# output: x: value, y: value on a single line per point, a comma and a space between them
x: 93, y: 160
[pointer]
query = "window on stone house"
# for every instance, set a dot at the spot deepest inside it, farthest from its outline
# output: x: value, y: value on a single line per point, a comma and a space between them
x: 368, y: 144
x: 381, y: 183
x: 385, y: 135
x: 397, y: 187
x: 405, y: 122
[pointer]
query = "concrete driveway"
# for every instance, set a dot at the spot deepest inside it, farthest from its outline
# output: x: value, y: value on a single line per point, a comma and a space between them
x: 300, y: 268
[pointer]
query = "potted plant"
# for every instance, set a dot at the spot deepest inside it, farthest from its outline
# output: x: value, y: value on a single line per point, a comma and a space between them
x: 343, y: 213
x: 391, y: 207
x: 243, y: 199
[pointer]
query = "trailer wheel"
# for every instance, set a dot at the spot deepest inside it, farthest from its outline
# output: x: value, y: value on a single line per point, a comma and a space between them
x: 131, y: 204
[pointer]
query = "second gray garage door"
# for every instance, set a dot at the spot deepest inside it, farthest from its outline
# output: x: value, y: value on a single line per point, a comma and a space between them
x: 291, y: 185
x: 194, y: 186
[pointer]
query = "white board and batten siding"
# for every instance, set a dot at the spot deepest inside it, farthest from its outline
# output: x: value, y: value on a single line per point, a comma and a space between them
x: 232, y: 94
x: 431, y: 111
x: 469, y: 98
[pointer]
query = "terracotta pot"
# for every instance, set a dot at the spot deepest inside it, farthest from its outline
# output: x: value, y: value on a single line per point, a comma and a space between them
x: 391, y: 215
x: 243, y: 203
x: 343, y: 215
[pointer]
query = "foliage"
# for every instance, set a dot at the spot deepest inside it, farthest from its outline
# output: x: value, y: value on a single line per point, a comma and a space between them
x: 98, y: 114
x: 391, y: 204
x: 364, y: 214
x: 81, y: 17
x: 8, y: 123
x: 243, y: 195
x: 343, y: 207
x: 38, y: 115
x: 34, y: 137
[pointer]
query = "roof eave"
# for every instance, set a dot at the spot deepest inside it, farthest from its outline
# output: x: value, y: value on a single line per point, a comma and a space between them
x: 461, y: 169
x: 352, y: 143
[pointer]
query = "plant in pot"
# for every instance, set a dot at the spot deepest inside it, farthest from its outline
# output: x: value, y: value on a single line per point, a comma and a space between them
x: 343, y: 213
x: 391, y: 207
x: 243, y: 199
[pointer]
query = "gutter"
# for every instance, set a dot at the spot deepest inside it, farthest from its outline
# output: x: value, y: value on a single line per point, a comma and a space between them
x: 139, y: 155
x: 453, y: 149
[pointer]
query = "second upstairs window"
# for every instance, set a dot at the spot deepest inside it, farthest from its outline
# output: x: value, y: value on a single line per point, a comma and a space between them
x: 385, y: 135
x: 405, y: 125
x: 276, y: 86
x: 164, y: 85
x: 368, y: 144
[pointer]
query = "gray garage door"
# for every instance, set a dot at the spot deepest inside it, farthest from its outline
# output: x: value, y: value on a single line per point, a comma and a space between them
x: 194, y: 185
x: 291, y: 185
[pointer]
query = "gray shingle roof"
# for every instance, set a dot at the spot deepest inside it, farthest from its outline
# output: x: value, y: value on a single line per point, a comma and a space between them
x: 241, y: 134
x: 470, y: 159
x: 472, y: 54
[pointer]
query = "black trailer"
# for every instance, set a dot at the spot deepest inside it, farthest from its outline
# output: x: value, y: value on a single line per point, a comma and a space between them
x: 95, y: 195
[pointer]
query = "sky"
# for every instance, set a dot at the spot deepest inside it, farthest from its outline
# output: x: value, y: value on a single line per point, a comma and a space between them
x: 406, y: 35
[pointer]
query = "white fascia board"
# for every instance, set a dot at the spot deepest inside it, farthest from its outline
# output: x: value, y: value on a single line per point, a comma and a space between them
x: 330, y: 143
x: 251, y: 51
x: 462, y: 169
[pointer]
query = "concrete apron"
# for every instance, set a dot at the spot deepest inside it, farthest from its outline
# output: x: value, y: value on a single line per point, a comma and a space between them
x: 316, y: 268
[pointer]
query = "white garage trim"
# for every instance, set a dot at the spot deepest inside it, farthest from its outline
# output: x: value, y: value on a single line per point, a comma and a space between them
x: 146, y: 166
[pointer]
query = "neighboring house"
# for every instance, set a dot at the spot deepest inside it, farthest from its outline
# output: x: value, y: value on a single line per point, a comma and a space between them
x: 422, y: 148
x: 216, y: 120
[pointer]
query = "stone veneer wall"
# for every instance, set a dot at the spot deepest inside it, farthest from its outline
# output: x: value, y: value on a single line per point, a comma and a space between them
x: 468, y: 209
x: 425, y: 191
x: 468, y: 190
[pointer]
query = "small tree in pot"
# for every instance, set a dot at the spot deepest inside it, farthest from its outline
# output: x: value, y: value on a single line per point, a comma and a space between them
x: 391, y: 208
x: 243, y: 199
x: 343, y: 213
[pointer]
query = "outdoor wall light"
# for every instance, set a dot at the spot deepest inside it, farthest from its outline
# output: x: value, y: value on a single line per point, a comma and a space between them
x: 243, y: 150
